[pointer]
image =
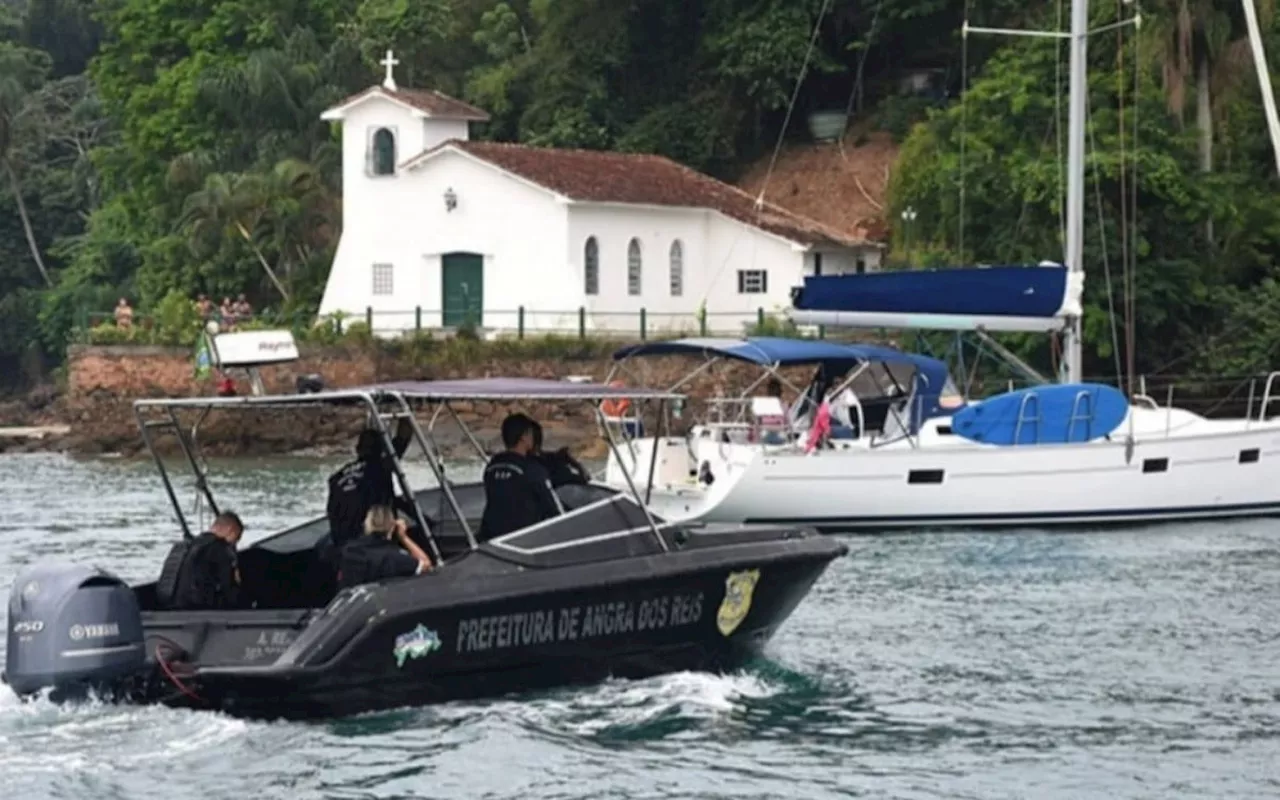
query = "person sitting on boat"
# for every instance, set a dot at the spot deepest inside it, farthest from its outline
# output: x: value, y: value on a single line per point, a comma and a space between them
x: 385, y: 551
x: 517, y: 489
x: 360, y: 485
x: 203, y: 574
x: 569, y: 479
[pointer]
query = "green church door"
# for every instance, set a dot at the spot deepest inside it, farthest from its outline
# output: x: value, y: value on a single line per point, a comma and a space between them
x: 462, y: 276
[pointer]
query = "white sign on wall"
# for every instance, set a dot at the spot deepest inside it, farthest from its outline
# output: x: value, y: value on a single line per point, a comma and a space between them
x: 254, y: 348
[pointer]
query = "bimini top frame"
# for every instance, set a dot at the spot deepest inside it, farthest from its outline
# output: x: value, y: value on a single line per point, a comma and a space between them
x: 772, y: 353
x: 383, y: 402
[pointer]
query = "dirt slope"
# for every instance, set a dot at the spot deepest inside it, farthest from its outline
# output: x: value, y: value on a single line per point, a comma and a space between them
x: 839, y: 184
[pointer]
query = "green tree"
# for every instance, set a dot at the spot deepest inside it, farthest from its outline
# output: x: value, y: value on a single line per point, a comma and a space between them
x: 228, y: 205
x: 1014, y: 195
x: 22, y: 72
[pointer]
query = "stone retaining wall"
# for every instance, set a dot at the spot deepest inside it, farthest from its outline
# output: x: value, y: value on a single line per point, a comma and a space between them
x: 103, y: 382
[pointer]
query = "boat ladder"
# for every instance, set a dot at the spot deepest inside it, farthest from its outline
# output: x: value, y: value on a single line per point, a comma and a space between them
x: 1029, y: 401
x: 1083, y: 398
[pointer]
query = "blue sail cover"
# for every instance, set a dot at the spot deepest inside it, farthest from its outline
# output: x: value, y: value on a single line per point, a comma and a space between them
x: 1009, y: 298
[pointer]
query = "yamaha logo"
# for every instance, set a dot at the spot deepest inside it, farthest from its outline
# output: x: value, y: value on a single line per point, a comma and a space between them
x: 79, y: 632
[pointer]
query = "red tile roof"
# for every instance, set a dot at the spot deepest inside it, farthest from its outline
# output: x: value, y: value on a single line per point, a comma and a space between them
x: 428, y: 101
x: 632, y: 178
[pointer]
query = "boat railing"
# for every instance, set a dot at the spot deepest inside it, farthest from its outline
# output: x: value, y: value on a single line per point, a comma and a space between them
x: 1266, y: 397
x: 1227, y: 397
x: 1145, y: 400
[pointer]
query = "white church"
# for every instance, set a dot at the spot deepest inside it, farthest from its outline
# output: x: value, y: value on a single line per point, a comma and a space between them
x: 442, y: 231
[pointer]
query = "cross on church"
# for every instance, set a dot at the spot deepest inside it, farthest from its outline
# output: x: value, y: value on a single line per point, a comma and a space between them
x: 389, y: 62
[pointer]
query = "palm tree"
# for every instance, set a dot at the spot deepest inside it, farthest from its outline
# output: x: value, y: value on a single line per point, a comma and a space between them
x: 287, y: 211
x: 228, y: 206
x: 21, y: 73
x: 301, y: 213
x: 276, y: 96
x: 1200, y: 44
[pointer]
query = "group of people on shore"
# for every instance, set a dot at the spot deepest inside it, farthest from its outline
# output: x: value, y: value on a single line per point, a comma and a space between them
x: 367, y: 542
x: 226, y: 315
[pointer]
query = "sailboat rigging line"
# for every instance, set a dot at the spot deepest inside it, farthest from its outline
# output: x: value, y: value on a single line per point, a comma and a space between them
x: 791, y: 106
x: 1132, y: 267
x: 773, y: 160
x: 964, y: 118
x: 1102, y: 237
x: 857, y: 78
x: 1057, y: 127
x: 1122, y: 378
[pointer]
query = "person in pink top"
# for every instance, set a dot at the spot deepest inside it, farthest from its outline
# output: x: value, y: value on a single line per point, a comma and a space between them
x: 821, y: 429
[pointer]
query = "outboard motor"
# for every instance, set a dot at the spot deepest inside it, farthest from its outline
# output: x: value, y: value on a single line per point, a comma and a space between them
x: 71, y: 627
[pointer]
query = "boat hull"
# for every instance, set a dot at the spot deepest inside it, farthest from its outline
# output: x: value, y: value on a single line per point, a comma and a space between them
x: 525, y: 643
x: 484, y: 627
x: 1218, y: 472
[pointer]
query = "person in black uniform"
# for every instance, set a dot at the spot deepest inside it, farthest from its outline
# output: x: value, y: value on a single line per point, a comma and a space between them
x: 364, y: 483
x: 517, y: 489
x: 385, y: 551
x: 203, y: 574
x: 569, y: 480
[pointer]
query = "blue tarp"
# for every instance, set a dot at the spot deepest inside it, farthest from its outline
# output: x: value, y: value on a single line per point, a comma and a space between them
x: 1020, y: 298
x: 835, y: 358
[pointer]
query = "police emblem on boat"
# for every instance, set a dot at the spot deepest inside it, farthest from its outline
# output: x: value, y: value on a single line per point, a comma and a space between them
x: 415, y: 644
x: 737, y: 599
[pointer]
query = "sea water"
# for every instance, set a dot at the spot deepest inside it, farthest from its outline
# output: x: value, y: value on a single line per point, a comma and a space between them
x: 1123, y: 664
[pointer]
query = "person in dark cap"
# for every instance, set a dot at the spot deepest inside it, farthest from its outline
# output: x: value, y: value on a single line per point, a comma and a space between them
x: 517, y: 489
x: 203, y: 574
x: 366, y: 482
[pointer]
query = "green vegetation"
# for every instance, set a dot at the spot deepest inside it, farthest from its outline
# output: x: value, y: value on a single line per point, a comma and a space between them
x: 1206, y: 240
x: 158, y: 149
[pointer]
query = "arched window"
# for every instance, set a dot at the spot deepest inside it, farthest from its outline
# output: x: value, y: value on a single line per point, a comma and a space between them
x: 633, y: 267
x: 677, y: 269
x: 384, y: 152
x: 591, y: 266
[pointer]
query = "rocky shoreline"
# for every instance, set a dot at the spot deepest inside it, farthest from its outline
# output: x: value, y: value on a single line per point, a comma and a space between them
x: 102, y: 383
x: 107, y: 426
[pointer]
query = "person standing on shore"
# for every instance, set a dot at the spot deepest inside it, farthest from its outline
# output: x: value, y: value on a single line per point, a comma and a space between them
x: 124, y: 314
x: 242, y: 309
x: 227, y: 315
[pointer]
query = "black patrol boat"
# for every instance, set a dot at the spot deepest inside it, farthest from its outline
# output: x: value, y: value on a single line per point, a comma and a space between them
x: 605, y: 589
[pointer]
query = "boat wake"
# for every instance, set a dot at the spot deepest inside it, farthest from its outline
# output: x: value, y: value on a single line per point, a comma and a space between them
x: 92, y: 748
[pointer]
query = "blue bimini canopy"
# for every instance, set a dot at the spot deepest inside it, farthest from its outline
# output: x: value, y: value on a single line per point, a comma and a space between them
x: 835, y: 358
x: 1011, y: 298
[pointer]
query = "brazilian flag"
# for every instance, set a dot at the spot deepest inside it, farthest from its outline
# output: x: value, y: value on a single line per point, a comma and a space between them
x: 204, y: 360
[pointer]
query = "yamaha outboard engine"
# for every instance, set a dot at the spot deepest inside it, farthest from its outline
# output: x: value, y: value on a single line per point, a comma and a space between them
x: 71, y: 628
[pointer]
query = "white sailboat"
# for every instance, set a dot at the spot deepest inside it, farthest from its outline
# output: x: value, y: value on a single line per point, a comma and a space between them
x: 909, y: 466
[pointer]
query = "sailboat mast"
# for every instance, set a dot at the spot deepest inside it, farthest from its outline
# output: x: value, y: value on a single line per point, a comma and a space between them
x: 1077, y: 110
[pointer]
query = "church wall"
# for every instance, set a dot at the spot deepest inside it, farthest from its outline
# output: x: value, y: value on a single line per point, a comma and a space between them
x: 516, y: 228
x: 737, y: 247
x: 613, y: 227
x: 436, y: 132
